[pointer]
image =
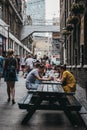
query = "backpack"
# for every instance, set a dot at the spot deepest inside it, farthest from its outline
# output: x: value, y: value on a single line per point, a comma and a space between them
x: 11, y: 69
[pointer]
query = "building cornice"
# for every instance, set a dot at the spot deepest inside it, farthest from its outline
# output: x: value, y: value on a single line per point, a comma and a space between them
x: 15, y: 11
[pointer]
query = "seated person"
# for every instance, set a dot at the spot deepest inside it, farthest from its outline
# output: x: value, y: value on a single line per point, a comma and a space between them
x: 67, y: 79
x: 34, y: 75
x: 47, y: 65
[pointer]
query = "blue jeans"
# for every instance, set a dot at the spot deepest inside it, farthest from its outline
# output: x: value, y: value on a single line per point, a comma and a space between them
x: 31, y: 86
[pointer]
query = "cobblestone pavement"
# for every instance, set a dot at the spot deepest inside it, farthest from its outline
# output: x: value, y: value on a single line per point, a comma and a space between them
x: 11, y: 116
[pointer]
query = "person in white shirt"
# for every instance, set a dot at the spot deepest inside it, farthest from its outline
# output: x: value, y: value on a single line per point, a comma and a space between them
x: 22, y: 63
x: 29, y: 63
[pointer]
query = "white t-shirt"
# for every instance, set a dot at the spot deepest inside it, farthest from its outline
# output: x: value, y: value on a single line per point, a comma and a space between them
x: 22, y: 61
x: 30, y: 61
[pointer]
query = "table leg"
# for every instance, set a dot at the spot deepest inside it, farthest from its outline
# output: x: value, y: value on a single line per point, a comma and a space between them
x: 31, y: 110
x: 28, y: 115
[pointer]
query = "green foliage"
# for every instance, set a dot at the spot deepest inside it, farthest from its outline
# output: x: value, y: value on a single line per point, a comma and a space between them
x: 79, y: 1
x: 65, y: 31
x: 73, y: 20
x: 69, y: 27
x: 77, y: 8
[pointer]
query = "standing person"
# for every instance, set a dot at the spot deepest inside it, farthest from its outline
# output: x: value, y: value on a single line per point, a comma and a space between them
x: 1, y: 66
x: 47, y: 65
x: 10, y: 76
x: 18, y: 62
x: 67, y: 79
x: 22, y: 62
x: 29, y: 64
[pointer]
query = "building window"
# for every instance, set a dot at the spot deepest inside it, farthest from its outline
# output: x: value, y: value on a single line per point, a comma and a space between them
x: 0, y: 10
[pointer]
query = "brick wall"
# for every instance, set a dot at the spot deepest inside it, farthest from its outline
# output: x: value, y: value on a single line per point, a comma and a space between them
x: 80, y: 75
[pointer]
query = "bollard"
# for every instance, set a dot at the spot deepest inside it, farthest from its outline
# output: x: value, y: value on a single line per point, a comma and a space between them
x: 86, y: 90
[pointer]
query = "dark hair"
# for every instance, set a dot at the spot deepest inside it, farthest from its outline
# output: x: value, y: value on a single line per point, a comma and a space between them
x: 63, y: 67
x: 42, y: 66
x: 37, y: 64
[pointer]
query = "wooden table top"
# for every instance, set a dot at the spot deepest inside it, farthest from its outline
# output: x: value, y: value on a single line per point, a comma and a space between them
x: 50, y: 87
x: 51, y: 82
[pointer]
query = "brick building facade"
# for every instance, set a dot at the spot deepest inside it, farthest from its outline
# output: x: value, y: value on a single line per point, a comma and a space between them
x: 11, y: 22
x: 73, y: 16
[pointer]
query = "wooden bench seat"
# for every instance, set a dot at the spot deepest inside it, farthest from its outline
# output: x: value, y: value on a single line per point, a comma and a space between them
x: 73, y: 103
x: 24, y: 102
x: 70, y: 102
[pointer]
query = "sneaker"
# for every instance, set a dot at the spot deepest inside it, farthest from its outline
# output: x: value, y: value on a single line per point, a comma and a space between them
x: 13, y: 101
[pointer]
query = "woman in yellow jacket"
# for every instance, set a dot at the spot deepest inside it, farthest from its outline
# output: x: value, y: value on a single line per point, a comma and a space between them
x: 67, y: 79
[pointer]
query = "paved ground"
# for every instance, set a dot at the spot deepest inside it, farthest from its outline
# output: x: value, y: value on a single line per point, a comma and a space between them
x: 11, y: 116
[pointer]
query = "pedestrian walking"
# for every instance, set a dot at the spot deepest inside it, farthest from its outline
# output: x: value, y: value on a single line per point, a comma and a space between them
x: 22, y: 63
x: 18, y: 62
x: 29, y: 64
x: 10, y: 76
x: 1, y: 66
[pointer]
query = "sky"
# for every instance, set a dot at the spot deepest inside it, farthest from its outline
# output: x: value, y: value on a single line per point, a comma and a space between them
x: 52, y: 8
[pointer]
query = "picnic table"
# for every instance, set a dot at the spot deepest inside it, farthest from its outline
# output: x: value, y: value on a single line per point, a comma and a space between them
x: 49, y: 95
